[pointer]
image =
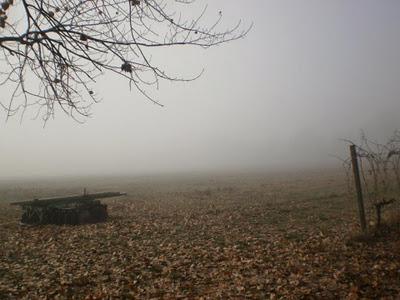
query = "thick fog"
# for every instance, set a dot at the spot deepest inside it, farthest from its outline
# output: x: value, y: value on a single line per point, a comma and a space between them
x: 308, y: 74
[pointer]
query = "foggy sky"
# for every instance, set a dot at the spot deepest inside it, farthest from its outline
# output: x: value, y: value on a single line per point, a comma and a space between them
x: 309, y: 73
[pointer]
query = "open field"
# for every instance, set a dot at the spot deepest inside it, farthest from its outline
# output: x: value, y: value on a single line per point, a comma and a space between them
x: 213, y: 236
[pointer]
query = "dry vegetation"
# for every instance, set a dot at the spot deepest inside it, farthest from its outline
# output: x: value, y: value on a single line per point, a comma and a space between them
x: 249, y: 236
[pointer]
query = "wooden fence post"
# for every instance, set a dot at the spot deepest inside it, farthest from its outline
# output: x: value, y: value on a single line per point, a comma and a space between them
x: 357, y: 182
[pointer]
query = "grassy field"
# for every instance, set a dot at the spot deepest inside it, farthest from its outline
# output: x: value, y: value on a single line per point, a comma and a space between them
x: 240, y: 236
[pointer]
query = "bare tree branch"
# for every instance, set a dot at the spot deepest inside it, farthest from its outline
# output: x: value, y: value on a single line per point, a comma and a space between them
x: 56, y: 50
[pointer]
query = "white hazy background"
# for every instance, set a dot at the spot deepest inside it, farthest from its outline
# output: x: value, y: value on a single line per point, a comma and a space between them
x: 309, y: 73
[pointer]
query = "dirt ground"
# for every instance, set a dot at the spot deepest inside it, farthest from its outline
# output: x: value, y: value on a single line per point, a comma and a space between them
x: 240, y: 236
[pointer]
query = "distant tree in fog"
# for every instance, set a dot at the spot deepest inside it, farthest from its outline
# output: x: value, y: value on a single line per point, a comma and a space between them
x: 53, y: 50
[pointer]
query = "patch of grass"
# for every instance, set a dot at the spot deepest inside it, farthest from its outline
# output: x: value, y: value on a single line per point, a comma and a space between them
x: 294, y: 236
x: 323, y: 217
x: 361, y: 237
x: 386, y: 231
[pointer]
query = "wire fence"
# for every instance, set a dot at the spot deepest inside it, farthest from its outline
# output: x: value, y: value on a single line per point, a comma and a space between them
x: 379, y: 168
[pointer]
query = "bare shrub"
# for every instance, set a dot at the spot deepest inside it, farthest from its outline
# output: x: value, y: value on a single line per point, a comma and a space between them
x: 380, y: 173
